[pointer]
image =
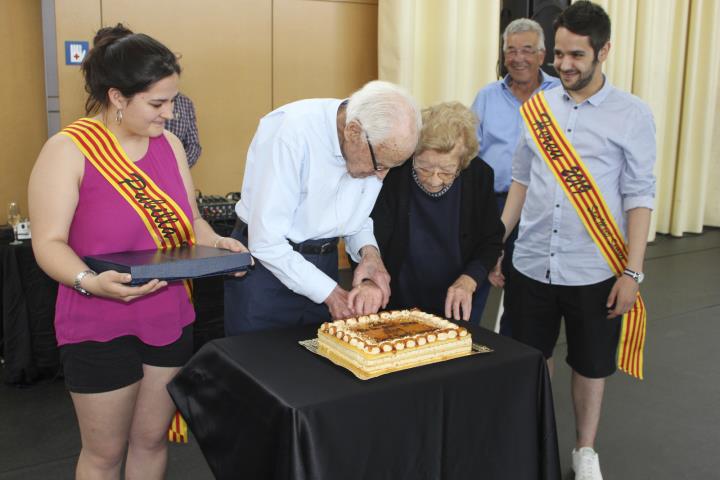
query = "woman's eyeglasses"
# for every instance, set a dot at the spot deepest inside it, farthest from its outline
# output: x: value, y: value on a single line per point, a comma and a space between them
x: 443, y: 175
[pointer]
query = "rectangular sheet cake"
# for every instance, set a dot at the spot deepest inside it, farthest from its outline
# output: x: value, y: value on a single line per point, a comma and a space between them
x: 376, y: 344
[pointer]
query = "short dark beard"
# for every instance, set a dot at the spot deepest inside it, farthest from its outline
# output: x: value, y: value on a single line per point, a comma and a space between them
x: 583, y: 81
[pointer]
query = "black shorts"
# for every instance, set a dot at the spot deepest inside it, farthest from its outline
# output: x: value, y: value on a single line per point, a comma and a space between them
x: 535, y: 310
x: 96, y: 367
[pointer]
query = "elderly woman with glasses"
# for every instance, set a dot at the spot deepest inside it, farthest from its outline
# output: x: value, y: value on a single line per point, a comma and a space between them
x: 436, y: 218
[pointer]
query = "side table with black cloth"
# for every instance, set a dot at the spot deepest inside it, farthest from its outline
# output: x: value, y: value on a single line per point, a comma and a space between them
x: 263, y: 407
x: 27, y: 309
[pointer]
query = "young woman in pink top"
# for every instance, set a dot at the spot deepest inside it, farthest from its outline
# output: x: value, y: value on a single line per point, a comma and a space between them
x: 120, y: 345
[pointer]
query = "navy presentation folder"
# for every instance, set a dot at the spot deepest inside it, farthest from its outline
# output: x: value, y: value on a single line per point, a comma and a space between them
x: 176, y: 264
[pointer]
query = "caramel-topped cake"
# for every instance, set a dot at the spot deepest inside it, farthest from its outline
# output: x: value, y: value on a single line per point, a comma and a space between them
x: 375, y: 344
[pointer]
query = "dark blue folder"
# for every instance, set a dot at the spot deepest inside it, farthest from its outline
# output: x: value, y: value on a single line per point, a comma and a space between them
x: 177, y: 264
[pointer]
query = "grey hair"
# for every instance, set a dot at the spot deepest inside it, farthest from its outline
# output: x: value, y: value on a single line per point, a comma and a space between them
x: 522, y: 25
x: 380, y: 107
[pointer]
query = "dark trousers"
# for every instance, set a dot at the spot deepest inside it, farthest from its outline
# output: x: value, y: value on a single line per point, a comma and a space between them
x: 481, y: 294
x: 259, y: 301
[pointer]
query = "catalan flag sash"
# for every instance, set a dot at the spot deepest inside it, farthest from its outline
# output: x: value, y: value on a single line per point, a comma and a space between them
x: 178, y: 431
x: 587, y: 199
x: 166, y: 223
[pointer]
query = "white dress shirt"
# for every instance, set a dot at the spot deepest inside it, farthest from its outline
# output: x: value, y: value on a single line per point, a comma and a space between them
x: 614, y: 134
x: 297, y: 187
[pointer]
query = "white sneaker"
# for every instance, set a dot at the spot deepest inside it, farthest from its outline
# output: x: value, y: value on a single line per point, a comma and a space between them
x: 586, y: 464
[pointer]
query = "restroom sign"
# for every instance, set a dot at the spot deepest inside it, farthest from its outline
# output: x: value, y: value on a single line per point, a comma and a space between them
x: 75, y: 52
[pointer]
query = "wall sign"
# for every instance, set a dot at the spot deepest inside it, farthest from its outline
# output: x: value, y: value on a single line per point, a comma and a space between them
x: 75, y: 52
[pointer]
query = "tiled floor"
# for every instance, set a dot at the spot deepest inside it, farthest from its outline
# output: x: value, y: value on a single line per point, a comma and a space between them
x: 665, y: 427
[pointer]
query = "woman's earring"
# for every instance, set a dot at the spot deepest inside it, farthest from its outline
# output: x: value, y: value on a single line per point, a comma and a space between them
x: 118, y: 116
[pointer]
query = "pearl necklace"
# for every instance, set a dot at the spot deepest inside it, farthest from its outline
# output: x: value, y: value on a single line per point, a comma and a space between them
x: 437, y: 194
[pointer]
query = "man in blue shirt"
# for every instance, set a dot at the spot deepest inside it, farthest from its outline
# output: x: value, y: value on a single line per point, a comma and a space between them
x: 314, y: 170
x: 560, y: 272
x: 497, y: 106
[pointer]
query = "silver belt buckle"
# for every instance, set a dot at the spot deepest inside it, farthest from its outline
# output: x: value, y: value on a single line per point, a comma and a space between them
x: 325, y: 247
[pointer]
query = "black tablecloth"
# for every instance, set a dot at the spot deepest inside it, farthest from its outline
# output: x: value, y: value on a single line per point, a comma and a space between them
x: 27, y: 310
x: 263, y: 407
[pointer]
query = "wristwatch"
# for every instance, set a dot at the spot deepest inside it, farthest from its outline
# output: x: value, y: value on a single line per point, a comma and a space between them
x: 78, y: 279
x: 637, y: 276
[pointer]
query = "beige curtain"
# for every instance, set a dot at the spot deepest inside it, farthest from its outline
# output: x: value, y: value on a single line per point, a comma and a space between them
x: 664, y: 30
x: 678, y: 76
x: 712, y: 212
x: 439, y: 49
x: 694, y: 188
x: 664, y: 51
x: 619, y: 66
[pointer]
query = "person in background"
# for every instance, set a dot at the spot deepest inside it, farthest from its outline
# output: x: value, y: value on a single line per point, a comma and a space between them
x: 314, y: 170
x: 583, y: 189
x: 497, y: 106
x: 184, y: 125
x: 544, y: 13
x: 436, y: 219
x: 115, y: 182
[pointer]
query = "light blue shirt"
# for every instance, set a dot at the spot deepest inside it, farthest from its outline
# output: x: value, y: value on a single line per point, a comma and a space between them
x: 500, y: 125
x: 613, y: 132
x: 297, y: 187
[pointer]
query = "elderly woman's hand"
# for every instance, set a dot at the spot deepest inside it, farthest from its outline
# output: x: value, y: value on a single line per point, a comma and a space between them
x: 496, y: 277
x: 229, y: 243
x: 365, y: 298
x: 458, y: 303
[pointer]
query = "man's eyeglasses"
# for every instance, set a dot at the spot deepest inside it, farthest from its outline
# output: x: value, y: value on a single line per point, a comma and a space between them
x: 376, y: 167
x: 524, y: 52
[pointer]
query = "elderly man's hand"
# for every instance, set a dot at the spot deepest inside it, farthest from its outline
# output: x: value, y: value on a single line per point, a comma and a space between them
x: 458, y: 302
x: 337, y: 303
x: 371, y: 267
x: 365, y: 298
x: 229, y: 243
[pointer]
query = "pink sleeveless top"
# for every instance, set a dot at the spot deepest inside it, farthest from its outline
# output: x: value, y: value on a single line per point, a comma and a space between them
x: 104, y: 222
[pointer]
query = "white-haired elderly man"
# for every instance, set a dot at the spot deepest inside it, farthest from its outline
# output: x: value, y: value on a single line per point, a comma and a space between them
x: 313, y: 172
x: 497, y: 105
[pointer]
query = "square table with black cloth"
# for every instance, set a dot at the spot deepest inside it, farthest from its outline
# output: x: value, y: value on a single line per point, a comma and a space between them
x: 263, y: 407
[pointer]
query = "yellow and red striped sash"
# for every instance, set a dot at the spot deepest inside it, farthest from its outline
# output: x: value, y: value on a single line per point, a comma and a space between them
x: 584, y: 195
x: 178, y: 431
x: 165, y: 221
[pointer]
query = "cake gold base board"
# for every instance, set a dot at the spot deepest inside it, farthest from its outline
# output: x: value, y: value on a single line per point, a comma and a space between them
x: 313, y: 346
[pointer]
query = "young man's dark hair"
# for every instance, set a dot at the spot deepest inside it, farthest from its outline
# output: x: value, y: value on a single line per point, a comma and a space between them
x: 586, y: 19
